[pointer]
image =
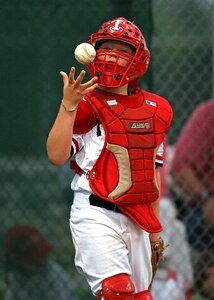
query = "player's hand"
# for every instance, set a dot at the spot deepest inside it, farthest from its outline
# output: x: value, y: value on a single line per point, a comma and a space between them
x: 75, y: 89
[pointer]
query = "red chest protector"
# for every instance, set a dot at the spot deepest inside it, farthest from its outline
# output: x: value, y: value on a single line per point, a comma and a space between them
x: 124, y: 172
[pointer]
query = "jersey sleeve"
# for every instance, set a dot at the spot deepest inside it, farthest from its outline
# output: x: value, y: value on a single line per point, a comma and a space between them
x: 159, y: 156
x: 85, y: 118
x: 77, y: 144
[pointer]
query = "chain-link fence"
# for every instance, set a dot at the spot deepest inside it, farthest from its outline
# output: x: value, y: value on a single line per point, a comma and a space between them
x: 37, y: 42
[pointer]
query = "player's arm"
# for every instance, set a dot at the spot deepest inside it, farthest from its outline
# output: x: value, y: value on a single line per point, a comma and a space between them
x: 60, y: 137
x: 190, y: 182
x: 200, y: 195
x: 156, y: 205
x: 157, y: 243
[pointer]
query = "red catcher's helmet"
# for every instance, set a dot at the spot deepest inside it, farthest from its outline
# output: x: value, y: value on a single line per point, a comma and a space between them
x: 111, y: 74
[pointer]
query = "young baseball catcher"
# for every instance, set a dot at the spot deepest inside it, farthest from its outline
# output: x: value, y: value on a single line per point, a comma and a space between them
x: 113, y: 131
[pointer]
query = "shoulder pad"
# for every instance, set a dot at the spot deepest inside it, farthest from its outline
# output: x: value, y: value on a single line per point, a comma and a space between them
x: 85, y: 118
x: 164, y: 109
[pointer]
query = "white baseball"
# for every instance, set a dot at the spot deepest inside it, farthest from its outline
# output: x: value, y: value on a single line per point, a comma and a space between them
x: 85, y: 53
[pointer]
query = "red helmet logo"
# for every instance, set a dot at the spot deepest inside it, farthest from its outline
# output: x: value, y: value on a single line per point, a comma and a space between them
x: 116, y: 26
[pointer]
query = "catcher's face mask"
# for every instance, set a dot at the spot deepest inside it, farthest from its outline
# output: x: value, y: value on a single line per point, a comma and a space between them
x: 115, y: 74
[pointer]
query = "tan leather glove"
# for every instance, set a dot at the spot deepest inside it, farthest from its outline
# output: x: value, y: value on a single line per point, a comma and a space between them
x: 157, y: 248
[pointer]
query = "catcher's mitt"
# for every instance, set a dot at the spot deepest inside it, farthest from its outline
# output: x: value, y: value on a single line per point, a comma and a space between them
x: 157, y: 248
